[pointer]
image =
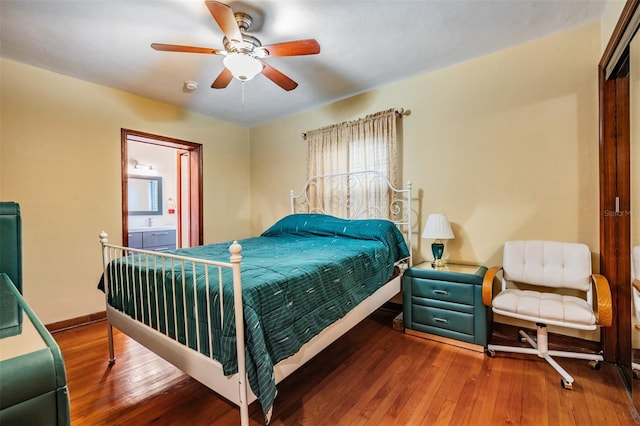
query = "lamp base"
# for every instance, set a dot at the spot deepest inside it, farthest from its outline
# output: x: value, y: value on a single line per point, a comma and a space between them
x: 438, y: 264
x: 437, y: 248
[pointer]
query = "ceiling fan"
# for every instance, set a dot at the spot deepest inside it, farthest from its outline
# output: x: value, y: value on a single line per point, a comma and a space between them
x: 243, y: 52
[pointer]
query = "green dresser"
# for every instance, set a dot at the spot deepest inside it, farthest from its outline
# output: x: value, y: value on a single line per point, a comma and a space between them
x: 11, y: 264
x: 33, y: 381
x: 445, y: 304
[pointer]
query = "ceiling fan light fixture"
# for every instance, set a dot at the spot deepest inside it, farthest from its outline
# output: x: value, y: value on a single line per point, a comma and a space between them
x: 242, y: 66
x: 243, y: 53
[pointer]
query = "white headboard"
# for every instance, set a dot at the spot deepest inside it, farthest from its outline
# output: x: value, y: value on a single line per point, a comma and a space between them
x: 353, y: 196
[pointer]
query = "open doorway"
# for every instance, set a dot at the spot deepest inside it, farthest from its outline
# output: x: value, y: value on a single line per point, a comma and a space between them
x: 161, y: 191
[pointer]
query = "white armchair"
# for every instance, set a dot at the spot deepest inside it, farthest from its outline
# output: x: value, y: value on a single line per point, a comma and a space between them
x: 549, y: 269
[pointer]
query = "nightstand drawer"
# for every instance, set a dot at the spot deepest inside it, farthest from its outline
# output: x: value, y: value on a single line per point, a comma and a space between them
x: 444, y: 319
x: 442, y: 304
x: 441, y: 290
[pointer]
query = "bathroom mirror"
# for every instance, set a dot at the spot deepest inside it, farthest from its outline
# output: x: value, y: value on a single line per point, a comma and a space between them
x: 145, y: 195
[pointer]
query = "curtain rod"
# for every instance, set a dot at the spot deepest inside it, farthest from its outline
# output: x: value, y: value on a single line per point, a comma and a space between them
x: 399, y: 112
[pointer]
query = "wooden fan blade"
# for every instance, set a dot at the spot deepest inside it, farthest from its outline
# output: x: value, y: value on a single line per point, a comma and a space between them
x: 277, y: 77
x: 186, y: 49
x: 223, y: 15
x: 223, y: 79
x: 293, y: 48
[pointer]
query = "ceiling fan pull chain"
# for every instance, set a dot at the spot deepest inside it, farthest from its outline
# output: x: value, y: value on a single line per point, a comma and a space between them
x: 243, y: 94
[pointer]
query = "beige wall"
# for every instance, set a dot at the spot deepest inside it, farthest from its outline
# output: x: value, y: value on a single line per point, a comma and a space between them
x: 506, y: 145
x: 609, y: 19
x: 60, y: 159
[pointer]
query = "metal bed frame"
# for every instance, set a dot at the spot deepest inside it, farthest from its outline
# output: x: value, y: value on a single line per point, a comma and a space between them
x: 354, y: 187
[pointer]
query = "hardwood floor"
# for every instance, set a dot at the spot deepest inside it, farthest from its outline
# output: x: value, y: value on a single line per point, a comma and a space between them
x: 373, y: 375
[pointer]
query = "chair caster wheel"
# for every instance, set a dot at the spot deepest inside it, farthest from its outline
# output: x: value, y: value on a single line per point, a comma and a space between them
x: 595, y: 365
x: 490, y: 353
x: 565, y: 384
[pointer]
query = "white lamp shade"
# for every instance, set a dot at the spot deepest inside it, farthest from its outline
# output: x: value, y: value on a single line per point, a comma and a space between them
x: 243, y: 67
x: 437, y: 228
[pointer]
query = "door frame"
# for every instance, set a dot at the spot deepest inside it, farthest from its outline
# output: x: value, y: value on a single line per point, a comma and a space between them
x: 179, y: 201
x: 195, y: 178
x: 615, y: 181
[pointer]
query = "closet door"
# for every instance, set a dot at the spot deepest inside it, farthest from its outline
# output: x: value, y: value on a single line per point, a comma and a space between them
x: 634, y: 108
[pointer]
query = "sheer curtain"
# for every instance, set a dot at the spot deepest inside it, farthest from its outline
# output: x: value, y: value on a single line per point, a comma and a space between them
x: 366, y: 144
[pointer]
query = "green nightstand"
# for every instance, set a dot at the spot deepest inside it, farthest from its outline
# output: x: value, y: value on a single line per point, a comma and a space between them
x: 445, y: 304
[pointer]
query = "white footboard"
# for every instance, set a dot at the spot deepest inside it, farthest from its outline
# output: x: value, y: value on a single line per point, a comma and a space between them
x: 158, y: 336
x: 157, y: 324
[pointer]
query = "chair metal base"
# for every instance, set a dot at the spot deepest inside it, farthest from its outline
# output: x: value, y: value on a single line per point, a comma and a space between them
x: 540, y: 348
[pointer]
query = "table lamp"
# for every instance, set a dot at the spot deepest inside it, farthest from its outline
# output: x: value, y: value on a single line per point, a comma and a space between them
x: 437, y: 228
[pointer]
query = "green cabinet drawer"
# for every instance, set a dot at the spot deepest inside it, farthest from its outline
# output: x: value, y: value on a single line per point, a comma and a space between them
x: 441, y: 290
x: 444, y: 319
x: 442, y: 304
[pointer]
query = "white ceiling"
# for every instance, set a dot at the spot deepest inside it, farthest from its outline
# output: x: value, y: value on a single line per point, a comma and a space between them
x: 365, y: 44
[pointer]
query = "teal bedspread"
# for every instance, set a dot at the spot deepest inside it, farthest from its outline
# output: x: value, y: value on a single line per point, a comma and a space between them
x: 301, y: 275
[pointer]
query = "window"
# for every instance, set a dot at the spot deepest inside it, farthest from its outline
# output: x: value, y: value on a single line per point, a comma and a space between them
x: 368, y: 144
